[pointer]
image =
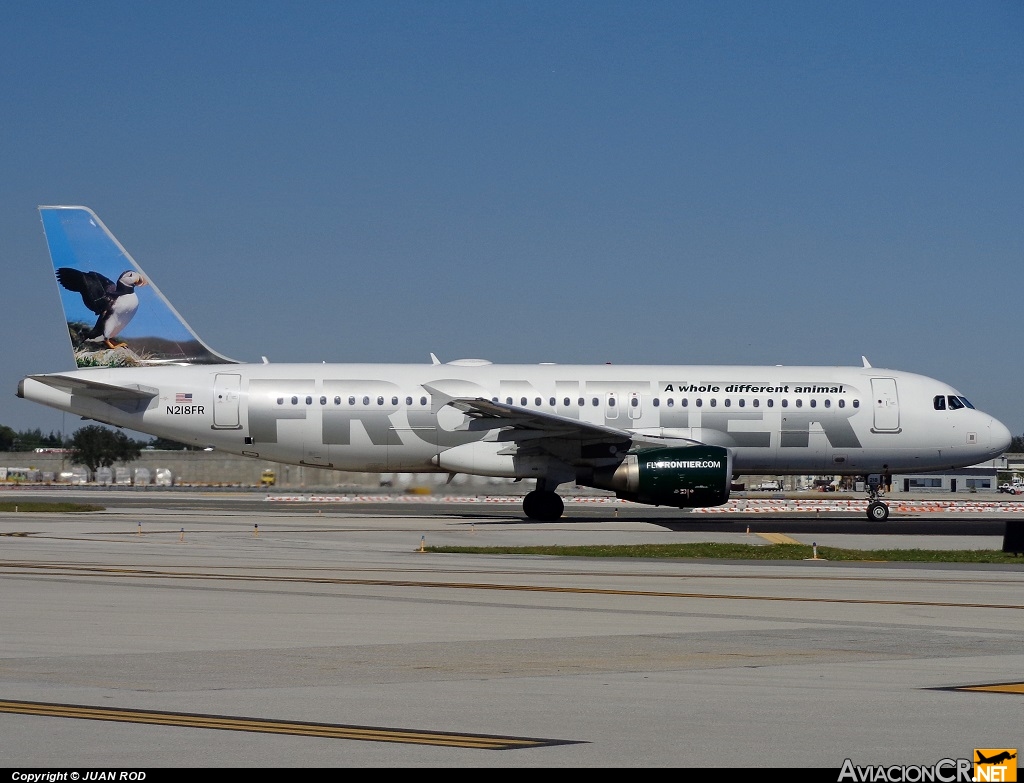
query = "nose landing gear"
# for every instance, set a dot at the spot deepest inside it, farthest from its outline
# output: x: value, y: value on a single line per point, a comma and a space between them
x: 878, y: 510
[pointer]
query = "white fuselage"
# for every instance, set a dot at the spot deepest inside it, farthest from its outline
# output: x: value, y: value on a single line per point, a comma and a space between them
x: 380, y: 417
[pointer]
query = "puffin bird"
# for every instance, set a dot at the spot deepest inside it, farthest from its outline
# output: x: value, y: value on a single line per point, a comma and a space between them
x: 114, y: 303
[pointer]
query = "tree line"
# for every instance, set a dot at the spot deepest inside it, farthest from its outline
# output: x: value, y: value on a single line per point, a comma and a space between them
x: 93, y: 446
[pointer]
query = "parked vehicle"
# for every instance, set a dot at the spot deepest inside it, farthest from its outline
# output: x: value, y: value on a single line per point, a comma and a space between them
x: 1016, y: 488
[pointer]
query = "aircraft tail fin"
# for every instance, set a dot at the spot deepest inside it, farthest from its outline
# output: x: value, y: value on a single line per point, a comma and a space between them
x: 116, y: 316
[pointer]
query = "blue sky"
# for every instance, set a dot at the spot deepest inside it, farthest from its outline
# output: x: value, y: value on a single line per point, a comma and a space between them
x: 672, y: 183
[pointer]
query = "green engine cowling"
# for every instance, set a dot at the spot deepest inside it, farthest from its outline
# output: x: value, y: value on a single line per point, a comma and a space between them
x: 684, y: 477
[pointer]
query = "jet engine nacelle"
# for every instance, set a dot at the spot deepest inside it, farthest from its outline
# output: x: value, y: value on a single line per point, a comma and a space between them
x: 685, y: 477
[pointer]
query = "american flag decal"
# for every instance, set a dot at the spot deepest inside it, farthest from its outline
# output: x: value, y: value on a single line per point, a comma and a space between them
x: 183, y: 397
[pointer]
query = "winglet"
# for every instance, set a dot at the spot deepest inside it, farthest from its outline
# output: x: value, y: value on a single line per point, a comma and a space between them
x: 115, y: 315
x: 438, y: 398
x: 865, y: 360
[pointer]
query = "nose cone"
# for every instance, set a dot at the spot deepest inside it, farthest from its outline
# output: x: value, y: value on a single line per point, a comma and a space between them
x: 1001, y: 437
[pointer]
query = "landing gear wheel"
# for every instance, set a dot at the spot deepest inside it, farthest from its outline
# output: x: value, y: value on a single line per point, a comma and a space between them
x: 878, y: 511
x: 543, y: 506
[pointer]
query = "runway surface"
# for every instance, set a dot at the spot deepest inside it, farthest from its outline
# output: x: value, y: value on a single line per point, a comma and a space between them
x: 220, y: 630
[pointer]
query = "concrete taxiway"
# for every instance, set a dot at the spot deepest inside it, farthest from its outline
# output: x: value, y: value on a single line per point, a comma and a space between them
x: 222, y: 630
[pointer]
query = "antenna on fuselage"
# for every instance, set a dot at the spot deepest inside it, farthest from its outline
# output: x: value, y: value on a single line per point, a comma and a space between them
x: 865, y: 360
x: 434, y: 359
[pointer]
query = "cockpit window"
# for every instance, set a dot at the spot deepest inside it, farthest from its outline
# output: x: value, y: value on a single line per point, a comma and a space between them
x: 954, y: 403
x: 965, y: 401
x: 940, y: 402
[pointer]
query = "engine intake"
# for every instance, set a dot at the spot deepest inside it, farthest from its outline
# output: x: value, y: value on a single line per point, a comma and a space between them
x: 684, y: 477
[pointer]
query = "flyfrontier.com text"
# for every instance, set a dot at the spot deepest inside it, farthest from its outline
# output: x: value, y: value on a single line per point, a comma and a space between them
x: 685, y: 463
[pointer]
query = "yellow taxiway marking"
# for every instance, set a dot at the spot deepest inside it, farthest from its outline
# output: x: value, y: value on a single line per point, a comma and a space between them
x: 229, y: 723
x: 1002, y: 687
x: 778, y: 538
x: 70, y: 569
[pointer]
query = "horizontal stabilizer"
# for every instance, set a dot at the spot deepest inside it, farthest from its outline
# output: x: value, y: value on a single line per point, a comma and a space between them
x: 108, y: 392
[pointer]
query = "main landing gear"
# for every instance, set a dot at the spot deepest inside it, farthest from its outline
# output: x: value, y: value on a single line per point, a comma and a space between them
x: 543, y: 505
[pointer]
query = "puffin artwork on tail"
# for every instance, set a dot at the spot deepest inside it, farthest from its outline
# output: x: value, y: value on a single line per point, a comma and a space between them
x: 114, y: 303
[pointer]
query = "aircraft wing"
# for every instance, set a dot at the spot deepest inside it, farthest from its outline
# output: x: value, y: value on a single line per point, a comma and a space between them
x: 535, y: 431
x: 489, y: 415
x: 108, y: 392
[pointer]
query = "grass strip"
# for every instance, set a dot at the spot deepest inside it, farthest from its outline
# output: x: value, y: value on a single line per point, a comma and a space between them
x: 717, y: 551
x: 30, y: 506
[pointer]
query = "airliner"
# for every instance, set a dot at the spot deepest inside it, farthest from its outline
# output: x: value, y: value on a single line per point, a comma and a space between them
x: 662, y: 435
